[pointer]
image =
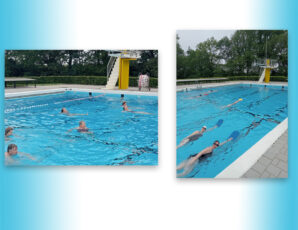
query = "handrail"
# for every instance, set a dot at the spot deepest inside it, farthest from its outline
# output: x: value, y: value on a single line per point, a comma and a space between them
x: 110, y: 65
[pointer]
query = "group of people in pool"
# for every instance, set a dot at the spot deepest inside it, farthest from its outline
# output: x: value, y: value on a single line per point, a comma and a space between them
x: 188, y: 165
x: 12, y: 149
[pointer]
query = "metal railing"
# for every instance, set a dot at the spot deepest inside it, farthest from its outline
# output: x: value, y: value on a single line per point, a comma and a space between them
x: 110, y: 66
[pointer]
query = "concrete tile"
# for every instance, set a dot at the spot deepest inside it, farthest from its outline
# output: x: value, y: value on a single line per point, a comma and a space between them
x: 283, y: 157
x: 258, y: 167
x: 275, y: 161
x: 282, y: 165
x: 273, y: 170
x: 252, y: 174
x: 283, y: 175
x: 265, y: 175
x: 264, y: 160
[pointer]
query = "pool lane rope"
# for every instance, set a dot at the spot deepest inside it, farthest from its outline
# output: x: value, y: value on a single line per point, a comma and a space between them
x: 43, y: 105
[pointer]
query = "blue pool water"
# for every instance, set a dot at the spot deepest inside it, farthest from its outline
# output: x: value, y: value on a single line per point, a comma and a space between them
x: 117, y: 138
x: 261, y: 110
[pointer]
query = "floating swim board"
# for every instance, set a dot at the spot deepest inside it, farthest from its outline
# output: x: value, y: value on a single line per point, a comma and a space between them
x: 234, y: 135
x: 219, y: 123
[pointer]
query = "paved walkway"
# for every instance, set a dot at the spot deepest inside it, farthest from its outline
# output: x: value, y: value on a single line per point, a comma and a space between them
x: 274, y: 163
x: 45, y: 87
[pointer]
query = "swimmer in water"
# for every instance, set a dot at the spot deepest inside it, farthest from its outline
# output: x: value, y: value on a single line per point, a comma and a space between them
x: 189, y: 164
x: 126, y: 109
x: 201, y: 95
x: 197, y: 134
x: 12, y: 150
x: 65, y: 112
x: 8, y: 133
x: 82, y: 128
x: 192, y: 137
x: 226, y: 106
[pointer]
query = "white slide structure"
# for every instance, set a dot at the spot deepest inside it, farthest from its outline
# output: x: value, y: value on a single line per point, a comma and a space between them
x: 262, y: 76
x: 114, y: 75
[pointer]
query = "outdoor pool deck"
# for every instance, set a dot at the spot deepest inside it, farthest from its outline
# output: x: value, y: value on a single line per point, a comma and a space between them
x: 273, y: 163
x: 65, y: 86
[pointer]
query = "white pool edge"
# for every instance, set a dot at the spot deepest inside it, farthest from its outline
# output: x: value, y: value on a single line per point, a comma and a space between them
x: 213, y: 85
x: 242, y: 164
x: 60, y: 90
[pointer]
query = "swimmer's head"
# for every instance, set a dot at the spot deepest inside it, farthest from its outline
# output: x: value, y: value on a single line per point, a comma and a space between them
x: 82, y: 124
x: 122, y: 95
x: 12, y: 149
x: 204, y: 128
x: 240, y: 99
x: 90, y: 94
x: 123, y: 103
x: 8, y: 131
x: 216, y: 144
x: 63, y: 110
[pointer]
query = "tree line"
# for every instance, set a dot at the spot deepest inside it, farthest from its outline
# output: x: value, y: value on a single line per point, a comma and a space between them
x: 72, y: 63
x: 239, y: 55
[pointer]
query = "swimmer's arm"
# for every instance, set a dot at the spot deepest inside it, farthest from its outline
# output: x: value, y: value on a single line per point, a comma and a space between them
x: 208, y: 130
x: 99, y: 96
x: 77, y: 114
x: 141, y: 112
x: 72, y: 129
x: 225, y: 141
x: 27, y: 155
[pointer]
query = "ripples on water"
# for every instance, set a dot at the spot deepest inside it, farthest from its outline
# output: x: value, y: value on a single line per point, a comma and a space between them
x: 117, y: 137
x: 261, y: 110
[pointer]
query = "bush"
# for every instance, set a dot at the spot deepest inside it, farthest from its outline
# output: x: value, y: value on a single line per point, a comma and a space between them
x: 256, y: 78
x: 88, y: 80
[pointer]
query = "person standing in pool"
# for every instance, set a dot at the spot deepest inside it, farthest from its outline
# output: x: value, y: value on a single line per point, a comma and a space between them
x: 126, y: 109
x: 12, y: 150
x: 197, y: 134
x: 65, y: 112
x: 189, y: 164
x: 226, y: 106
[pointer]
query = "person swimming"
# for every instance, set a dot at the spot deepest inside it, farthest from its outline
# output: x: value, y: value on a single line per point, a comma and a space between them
x: 82, y: 128
x: 226, y: 106
x: 189, y: 164
x: 12, y: 150
x: 126, y: 109
x: 65, y: 112
x: 192, y: 137
x: 8, y: 133
x: 197, y: 134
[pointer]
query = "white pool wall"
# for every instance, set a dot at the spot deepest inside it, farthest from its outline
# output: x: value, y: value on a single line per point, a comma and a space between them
x: 52, y: 91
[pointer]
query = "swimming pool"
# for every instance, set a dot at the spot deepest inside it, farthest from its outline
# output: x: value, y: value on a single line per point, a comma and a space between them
x: 261, y: 110
x: 117, y: 138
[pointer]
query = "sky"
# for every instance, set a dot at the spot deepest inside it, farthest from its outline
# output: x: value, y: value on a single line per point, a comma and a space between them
x: 190, y: 38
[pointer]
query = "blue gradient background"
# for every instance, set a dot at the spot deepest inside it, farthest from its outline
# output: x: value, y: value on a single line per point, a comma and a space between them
x: 31, y: 197
x: 274, y: 202
x: 40, y: 198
